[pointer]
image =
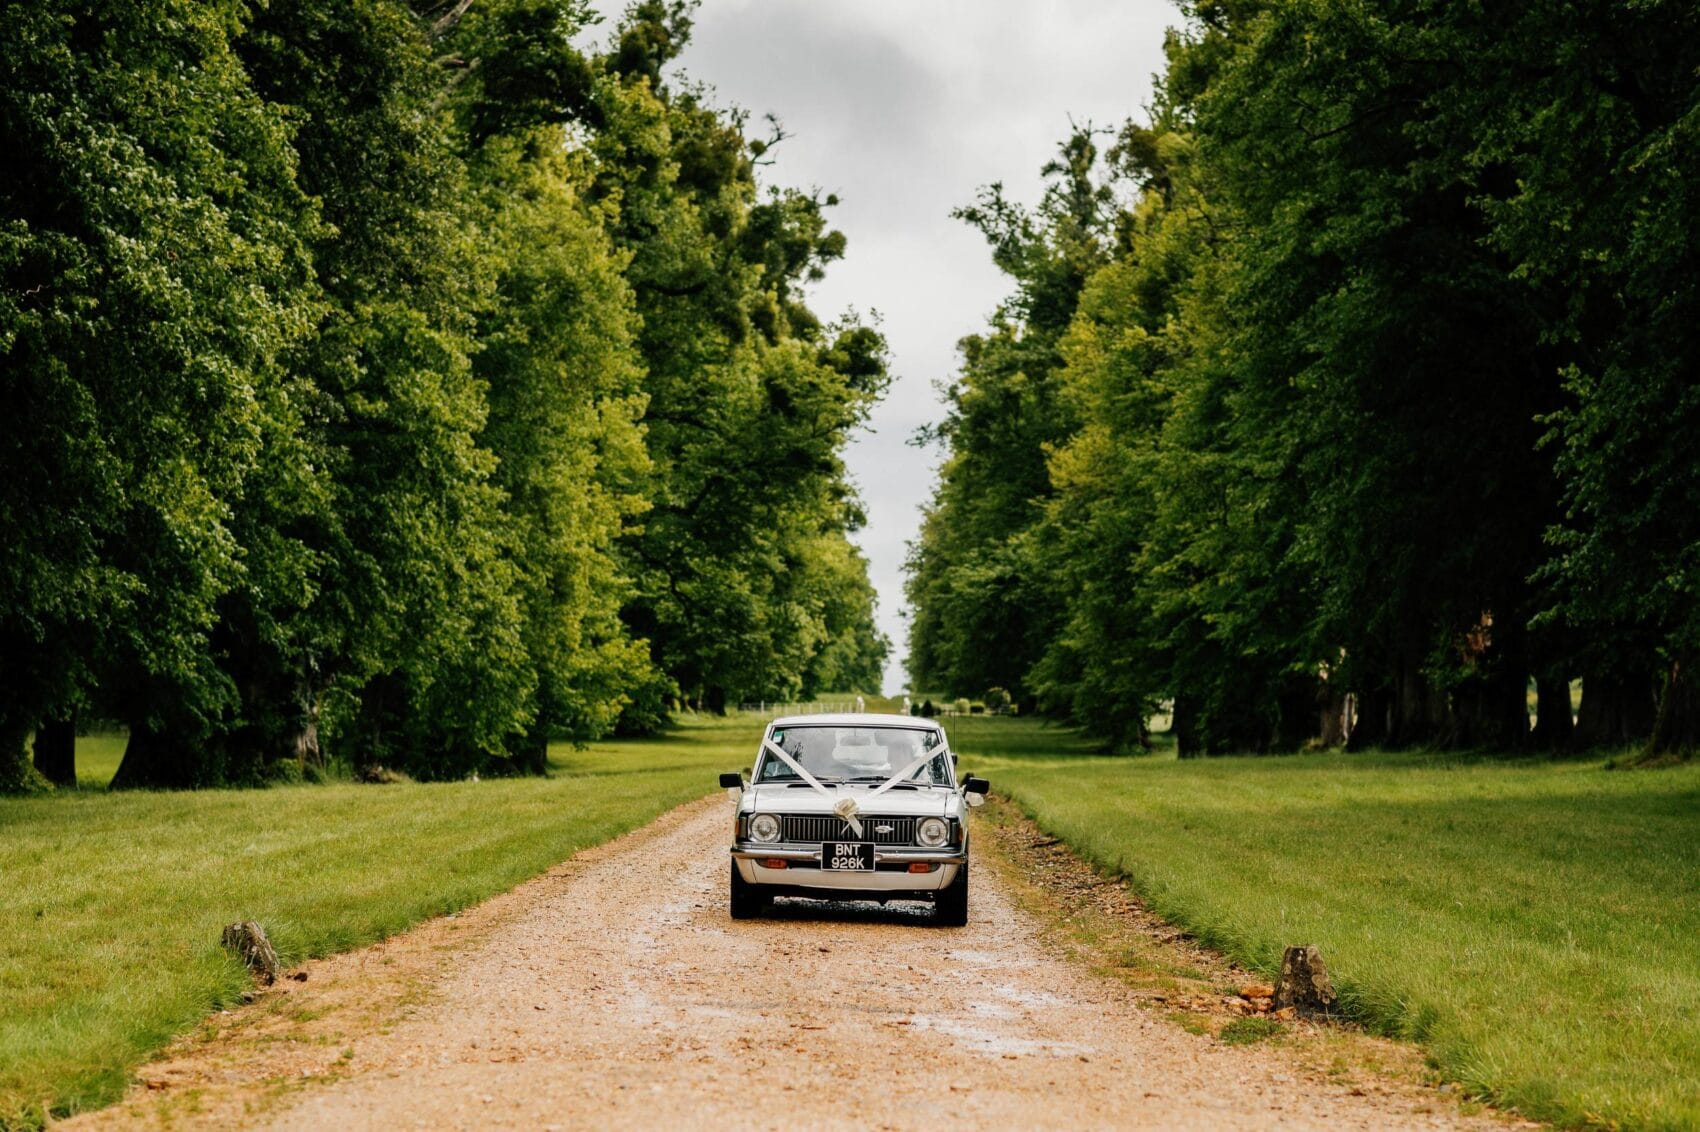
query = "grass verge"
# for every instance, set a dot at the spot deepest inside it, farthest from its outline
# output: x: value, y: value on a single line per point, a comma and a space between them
x: 1535, y: 924
x: 112, y: 904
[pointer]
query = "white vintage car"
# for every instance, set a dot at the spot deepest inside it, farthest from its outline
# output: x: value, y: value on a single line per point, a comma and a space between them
x: 852, y: 807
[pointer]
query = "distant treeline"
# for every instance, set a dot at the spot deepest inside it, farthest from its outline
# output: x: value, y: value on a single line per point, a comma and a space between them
x: 404, y: 386
x: 1368, y: 365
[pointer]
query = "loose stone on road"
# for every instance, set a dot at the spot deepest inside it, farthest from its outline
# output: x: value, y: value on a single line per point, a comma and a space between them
x: 615, y: 992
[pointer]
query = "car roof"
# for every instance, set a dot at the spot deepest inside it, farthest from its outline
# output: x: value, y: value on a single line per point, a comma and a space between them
x: 856, y: 719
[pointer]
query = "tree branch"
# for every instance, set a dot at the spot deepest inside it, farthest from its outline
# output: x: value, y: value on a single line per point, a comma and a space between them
x: 449, y: 20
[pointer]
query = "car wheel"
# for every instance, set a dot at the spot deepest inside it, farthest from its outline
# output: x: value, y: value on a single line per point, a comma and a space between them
x: 950, y: 907
x: 747, y: 900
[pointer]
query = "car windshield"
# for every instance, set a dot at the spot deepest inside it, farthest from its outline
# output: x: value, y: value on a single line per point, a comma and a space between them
x: 849, y: 754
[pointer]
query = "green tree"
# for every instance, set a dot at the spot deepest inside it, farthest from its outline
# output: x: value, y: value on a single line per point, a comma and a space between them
x: 984, y: 607
x: 152, y: 277
x: 1590, y: 111
x: 750, y: 397
x: 404, y: 635
x: 558, y: 357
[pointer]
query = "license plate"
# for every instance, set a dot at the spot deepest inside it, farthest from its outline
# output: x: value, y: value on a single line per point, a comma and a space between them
x: 847, y: 856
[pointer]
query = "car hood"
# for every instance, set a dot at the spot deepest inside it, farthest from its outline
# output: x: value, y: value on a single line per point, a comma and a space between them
x: 927, y: 801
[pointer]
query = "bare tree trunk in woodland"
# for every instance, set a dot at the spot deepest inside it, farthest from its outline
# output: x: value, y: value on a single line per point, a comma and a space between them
x: 1419, y: 709
x: 1553, y: 725
x: 304, y: 743
x: 1677, y: 729
x: 1616, y: 710
x: 1183, y: 722
x: 1296, y: 704
x: 1491, y: 711
x: 1372, y: 725
x: 1331, y: 706
x: 56, y: 751
x: 532, y: 754
x: 159, y: 760
x: 17, y: 775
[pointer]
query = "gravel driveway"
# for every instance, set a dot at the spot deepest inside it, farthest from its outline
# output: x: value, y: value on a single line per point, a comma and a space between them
x: 615, y: 992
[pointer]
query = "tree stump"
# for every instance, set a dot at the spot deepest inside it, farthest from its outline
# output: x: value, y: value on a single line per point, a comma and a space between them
x: 248, y: 939
x: 1304, y: 984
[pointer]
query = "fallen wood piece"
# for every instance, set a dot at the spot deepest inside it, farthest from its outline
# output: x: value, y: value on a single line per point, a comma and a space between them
x: 248, y: 939
x: 1304, y: 984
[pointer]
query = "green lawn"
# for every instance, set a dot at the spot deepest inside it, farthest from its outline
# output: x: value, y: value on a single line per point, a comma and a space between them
x: 111, y: 904
x: 98, y: 757
x: 1534, y: 923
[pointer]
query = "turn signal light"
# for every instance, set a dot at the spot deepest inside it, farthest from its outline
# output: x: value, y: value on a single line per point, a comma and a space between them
x: 921, y: 866
x: 774, y: 863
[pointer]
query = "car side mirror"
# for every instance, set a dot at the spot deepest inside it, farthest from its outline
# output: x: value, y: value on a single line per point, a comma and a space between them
x: 732, y: 780
x: 976, y: 786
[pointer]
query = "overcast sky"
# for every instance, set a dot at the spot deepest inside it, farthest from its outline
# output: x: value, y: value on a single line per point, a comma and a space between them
x: 903, y: 108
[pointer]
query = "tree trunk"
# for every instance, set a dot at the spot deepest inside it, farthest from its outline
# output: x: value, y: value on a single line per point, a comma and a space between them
x: 1331, y: 710
x: 302, y: 740
x: 160, y: 760
x: 1553, y: 724
x: 371, y: 747
x: 1370, y: 729
x: 1419, y: 709
x: 531, y: 754
x: 17, y: 774
x: 1616, y: 710
x: 1296, y: 704
x: 1677, y: 729
x: 56, y: 751
x: 1183, y: 723
x: 1490, y: 710
x: 715, y: 701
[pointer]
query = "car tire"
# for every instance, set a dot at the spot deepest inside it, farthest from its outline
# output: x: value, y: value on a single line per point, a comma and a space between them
x: 950, y: 906
x: 746, y: 901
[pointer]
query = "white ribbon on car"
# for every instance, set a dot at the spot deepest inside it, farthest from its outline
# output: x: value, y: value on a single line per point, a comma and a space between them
x: 845, y: 807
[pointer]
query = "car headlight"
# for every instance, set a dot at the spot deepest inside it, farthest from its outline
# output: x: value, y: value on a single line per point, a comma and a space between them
x: 764, y: 827
x: 932, y: 832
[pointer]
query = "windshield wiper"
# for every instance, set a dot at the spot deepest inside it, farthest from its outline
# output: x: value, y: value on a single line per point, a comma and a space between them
x: 881, y: 778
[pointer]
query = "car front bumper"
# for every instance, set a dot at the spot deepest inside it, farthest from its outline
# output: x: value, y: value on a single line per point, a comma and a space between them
x: 802, y: 869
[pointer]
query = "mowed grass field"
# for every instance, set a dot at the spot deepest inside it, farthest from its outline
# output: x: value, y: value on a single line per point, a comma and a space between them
x: 111, y: 905
x: 1534, y: 923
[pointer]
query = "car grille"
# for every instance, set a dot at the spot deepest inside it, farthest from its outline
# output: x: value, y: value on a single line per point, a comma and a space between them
x: 881, y: 831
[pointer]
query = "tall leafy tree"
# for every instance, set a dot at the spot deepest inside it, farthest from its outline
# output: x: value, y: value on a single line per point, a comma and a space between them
x: 750, y: 397
x: 1591, y: 111
x: 403, y: 634
x: 558, y: 358
x: 984, y: 605
x: 152, y: 279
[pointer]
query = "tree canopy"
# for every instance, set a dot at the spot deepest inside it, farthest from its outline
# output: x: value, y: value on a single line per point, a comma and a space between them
x: 1372, y: 388
x: 406, y: 386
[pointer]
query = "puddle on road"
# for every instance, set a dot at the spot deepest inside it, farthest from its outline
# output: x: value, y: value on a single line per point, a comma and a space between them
x: 973, y: 958
x: 991, y: 1010
x: 988, y: 1042
x: 1031, y: 999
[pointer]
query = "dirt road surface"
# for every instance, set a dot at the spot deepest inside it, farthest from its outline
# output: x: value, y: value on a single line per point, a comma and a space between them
x: 615, y: 992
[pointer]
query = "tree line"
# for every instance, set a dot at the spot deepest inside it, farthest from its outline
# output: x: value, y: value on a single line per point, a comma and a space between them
x: 404, y: 386
x: 1365, y: 366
